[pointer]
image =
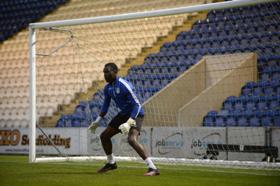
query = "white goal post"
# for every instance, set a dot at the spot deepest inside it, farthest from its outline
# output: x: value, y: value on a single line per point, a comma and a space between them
x: 121, y: 17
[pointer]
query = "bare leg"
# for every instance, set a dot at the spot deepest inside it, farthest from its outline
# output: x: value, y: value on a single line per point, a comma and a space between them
x: 106, y: 139
x: 133, y: 142
x: 107, y: 146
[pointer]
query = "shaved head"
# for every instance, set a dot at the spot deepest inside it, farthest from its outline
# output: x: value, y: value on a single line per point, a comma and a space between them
x: 110, y: 72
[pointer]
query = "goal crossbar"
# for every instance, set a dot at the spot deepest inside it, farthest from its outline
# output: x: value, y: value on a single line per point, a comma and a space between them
x: 147, y: 14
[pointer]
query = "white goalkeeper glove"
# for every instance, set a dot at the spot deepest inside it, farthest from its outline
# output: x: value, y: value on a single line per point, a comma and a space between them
x: 125, y: 127
x: 92, y: 127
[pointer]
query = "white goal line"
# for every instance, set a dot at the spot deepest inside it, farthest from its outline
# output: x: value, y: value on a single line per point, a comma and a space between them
x: 181, y: 161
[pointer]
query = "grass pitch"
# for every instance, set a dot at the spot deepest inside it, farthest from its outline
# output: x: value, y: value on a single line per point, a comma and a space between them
x: 16, y: 171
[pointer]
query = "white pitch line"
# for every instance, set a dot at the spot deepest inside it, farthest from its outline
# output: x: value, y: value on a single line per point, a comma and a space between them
x: 183, y: 169
x: 90, y: 164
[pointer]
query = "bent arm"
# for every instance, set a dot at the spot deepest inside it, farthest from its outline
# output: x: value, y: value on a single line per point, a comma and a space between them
x: 106, y: 103
x: 136, y: 104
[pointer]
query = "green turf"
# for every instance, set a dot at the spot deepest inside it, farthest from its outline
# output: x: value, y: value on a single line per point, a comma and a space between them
x: 16, y: 171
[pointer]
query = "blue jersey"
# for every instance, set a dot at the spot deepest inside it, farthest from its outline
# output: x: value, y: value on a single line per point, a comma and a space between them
x: 122, y: 92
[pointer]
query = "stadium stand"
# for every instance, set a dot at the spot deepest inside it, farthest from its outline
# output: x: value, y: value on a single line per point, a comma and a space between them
x: 15, y: 15
x: 258, y: 104
x: 61, y: 80
x: 248, y: 29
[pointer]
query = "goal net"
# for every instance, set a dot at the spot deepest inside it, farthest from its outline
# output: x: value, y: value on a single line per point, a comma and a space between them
x: 209, y: 83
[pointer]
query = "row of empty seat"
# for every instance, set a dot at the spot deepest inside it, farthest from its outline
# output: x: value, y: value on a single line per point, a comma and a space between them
x: 87, y: 8
x: 220, y: 35
x: 16, y: 15
x: 243, y: 119
x: 69, y: 59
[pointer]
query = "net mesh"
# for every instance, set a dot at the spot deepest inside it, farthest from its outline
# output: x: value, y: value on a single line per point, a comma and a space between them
x: 212, y: 93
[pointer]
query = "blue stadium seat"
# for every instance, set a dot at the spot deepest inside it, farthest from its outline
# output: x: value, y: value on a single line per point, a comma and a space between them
x: 251, y: 85
x: 60, y: 122
x: 265, y: 76
x: 254, y: 121
x: 239, y: 105
x: 275, y: 75
x: 250, y: 105
x: 274, y: 104
x: 267, y: 119
x: 76, y: 122
x: 277, y: 90
x: 231, y: 121
x: 64, y: 121
x: 228, y: 105
x: 276, y: 117
x: 148, y: 83
x: 242, y: 121
x: 209, y: 119
x: 220, y: 121
x: 257, y: 91
x: 262, y: 105
x: 269, y: 91
x: 246, y: 90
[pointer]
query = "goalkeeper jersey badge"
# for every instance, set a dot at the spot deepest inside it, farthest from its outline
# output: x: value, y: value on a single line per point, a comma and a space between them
x: 118, y: 90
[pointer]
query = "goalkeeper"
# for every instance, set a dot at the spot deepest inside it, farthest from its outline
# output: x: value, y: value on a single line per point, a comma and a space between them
x: 128, y: 121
